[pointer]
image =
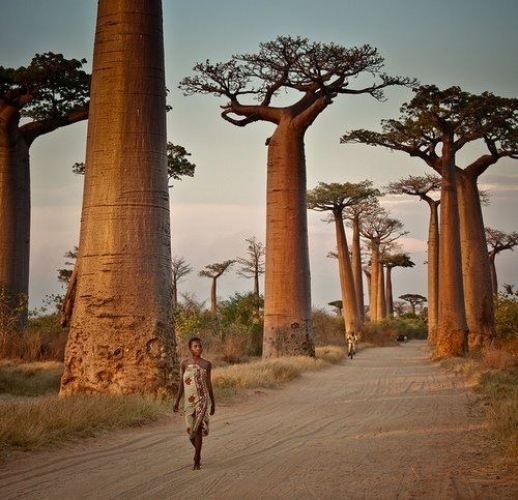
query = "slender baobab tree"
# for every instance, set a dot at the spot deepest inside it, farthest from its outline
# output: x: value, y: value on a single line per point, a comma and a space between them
x: 354, y: 214
x: 379, y: 229
x: 435, y: 126
x: 51, y: 92
x: 318, y: 73
x: 180, y: 269
x: 252, y: 266
x: 423, y: 187
x: 121, y: 339
x: 334, y: 198
x: 498, y: 241
x: 214, y: 271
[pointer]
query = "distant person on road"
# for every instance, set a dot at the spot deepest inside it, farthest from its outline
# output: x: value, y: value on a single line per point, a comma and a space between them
x: 196, y: 388
x: 351, y: 344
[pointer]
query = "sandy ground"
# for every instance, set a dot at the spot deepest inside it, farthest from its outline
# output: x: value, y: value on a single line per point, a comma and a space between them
x: 387, y: 425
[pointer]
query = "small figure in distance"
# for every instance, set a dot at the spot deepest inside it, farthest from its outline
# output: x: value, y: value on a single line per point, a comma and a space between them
x: 196, y: 388
x: 401, y: 338
x: 351, y: 344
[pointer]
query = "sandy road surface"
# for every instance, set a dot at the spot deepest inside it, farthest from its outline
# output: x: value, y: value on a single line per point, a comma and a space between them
x: 389, y: 424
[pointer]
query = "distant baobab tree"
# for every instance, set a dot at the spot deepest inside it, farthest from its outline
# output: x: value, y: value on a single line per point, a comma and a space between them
x: 423, y: 187
x: 390, y: 261
x: 414, y: 299
x: 252, y: 266
x: 51, y: 92
x: 335, y: 198
x: 180, y: 269
x: 214, y: 271
x: 121, y: 339
x: 379, y: 229
x: 313, y: 74
x: 498, y: 241
x: 434, y: 126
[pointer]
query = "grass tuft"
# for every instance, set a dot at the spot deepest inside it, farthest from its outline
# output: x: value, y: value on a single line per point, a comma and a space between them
x: 32, y: 379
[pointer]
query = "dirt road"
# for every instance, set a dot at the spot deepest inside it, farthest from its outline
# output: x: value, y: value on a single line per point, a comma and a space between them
x: 387, y: 425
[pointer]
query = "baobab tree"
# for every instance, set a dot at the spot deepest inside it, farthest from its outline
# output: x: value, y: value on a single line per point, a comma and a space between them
x: 180, y: 269
x: 252, y: 266
x: 450, y: 119
x: 318, y: 73
x: 414, y: 299
x: 120, y: 339
x: 379, y: 229
x: 354, y: 214
x: 390, y: 261
x: 422, y: 187
x: 334, y: 198
x: 51, y: 92
x: 498, y: 241
x: 214, y: 271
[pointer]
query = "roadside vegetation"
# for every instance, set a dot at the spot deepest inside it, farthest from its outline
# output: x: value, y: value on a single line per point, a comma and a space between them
x: 33, y: 416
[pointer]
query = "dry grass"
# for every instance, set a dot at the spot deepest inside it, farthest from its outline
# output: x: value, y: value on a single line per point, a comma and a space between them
x: 494, y: 375
x: 30, y: 379
x: 228, y: 380
x: 29, y: 424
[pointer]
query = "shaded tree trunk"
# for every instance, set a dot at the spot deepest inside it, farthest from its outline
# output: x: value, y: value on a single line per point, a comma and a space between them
x: 433, y: 271
x: 476, y: 273
x: 375, y: 281
x: 368, y: 277
x: 494, y: 278
x: 389, y: 297
x: 382, y: 304
x: 120, y: 338
x: 451, y: 327
x: 349, y: 306
x: 287, y: 290
x: 357, y: 268
x: 14, y: 214
x: 213, y: 297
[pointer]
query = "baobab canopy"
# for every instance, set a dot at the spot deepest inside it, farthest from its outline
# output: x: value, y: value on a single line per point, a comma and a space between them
x: 289, y: 64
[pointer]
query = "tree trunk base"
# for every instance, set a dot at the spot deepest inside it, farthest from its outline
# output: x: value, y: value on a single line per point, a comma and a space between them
x: 296, y: 340
x: 451, y: 342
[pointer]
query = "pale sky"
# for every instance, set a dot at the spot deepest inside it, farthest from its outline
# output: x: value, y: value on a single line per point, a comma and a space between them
x: 469, y: 43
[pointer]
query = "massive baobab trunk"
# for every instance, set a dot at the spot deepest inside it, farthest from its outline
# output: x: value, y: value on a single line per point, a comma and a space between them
x: 476, y: 273
x: 374, y: 281
x: 381, y: 303
x: 389, y: 296
x: 120, y: 338
x: 14, y: 213
x: 451, y: 327
x: 287, y: 300
x: 494, y: 278
x: 349, y: 306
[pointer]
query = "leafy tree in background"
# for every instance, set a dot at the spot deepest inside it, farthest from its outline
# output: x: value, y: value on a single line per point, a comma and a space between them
x: 180, y: 269
x: 498, y: 241
x: 414, y: 299
x: 51, y: 92
x: 422, y: 187
x: 434, y: 126
x: 252, y: 266
x: 214, y: 271
x: 312, y: 75
x: 121, y: 338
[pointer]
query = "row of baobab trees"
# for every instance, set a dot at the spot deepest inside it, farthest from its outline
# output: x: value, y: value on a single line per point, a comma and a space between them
x: 120, y: 337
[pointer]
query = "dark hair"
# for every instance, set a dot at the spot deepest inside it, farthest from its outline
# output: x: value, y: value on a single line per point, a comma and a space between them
x: 193, y: 339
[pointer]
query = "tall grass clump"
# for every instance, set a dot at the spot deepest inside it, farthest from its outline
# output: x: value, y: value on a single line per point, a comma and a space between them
x: 33, y: 423
x: 30, y: 379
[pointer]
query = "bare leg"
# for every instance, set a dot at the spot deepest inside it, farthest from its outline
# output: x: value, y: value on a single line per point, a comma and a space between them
x: 198, y: 441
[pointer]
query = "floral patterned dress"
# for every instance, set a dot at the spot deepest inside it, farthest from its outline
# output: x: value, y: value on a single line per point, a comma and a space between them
x: 196, y: 399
